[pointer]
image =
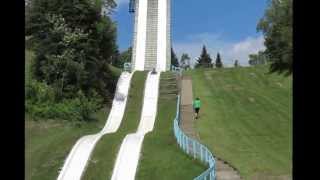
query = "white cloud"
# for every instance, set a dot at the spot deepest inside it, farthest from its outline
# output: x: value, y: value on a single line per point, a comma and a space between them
x: 214, y: 43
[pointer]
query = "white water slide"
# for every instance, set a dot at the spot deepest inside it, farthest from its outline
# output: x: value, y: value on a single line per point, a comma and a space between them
x: 128, y: 155
x: 77, y: 159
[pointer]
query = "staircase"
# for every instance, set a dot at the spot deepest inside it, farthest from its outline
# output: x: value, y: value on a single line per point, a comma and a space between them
x: 168, y: 86
x: 151, y: 39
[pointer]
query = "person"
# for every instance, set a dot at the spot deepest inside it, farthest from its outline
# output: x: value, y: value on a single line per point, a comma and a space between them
x: 154, y: 71
x: 196, y: 106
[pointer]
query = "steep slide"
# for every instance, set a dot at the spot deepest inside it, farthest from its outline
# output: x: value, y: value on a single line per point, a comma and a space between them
x: 77, y: 159
x: 128, y: 156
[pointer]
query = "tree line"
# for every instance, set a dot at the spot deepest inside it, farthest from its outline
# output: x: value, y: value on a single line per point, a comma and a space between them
x: 204, y: 61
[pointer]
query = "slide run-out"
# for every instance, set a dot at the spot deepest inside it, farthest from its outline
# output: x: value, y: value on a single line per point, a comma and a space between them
x: 128, y: 155
x: 77, y: 159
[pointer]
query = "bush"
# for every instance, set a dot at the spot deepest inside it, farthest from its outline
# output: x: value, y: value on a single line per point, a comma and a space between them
x: 40, y: 103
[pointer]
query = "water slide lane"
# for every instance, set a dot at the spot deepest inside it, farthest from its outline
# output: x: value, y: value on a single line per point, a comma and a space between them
x: 128, y: 155
x: 78, y: 157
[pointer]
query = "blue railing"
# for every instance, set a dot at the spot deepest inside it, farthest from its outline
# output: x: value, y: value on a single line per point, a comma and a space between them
x: 127, y: 66
x: 193, y: 148
x: 175, y: 68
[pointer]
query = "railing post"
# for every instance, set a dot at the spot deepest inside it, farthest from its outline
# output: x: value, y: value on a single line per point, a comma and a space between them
x: 201, y: 153
x: 187, y: 145
x: 194, y: 148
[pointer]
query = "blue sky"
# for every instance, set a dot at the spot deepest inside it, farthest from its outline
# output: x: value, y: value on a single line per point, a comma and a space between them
x: 225, y: 26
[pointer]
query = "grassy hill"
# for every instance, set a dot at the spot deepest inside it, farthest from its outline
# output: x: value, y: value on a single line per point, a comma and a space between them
x: 246, y: 119
x: 161, y: 157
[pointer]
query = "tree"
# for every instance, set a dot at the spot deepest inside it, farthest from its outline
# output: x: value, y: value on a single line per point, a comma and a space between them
x: 204, y: 60
x: 185, y: 61
x: 174, y: 59
x: 121, y: 58
x: 276, y: 25
x: 259, y: 58
x: 218, y: 61
x: 236, y: 63
x: 73, y: 44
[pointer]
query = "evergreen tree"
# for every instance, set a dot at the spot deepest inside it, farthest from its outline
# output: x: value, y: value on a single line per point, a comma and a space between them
x: 236, y: 63
x: 204, y: 60
x: 185, y: 61
x: 218, y: 61
x: 174, y: 59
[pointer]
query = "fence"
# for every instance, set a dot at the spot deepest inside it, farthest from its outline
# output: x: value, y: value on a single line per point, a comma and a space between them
x: 127, y: 67
x: 193, y: 148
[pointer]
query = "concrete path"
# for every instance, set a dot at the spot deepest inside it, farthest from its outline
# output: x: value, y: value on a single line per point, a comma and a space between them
x: 77, y: 159
x: 223, y: 170
x: 128, y: 157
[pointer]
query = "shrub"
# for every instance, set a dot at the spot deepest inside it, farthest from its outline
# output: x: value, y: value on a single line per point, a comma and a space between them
x: 40, y: 103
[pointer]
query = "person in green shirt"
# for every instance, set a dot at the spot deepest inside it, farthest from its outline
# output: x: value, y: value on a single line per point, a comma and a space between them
x: 196, y: 105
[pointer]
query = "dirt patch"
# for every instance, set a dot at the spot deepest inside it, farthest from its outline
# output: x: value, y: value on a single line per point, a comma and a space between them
x: 279, y: 84
x: 208, y: 75
x: 251, y: 99
x: 253, y: 75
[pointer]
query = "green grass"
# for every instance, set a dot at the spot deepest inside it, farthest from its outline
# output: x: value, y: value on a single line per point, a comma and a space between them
x: 246, y: 119
x: 104, y: 155
x: 161, y: 157
x: 116, y: 71
x: 48, y: 142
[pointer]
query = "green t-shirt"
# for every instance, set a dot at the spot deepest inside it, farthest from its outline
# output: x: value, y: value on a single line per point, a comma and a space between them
x: 196, y: 104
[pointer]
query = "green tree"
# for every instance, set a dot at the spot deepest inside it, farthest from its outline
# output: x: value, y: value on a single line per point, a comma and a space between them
x: 236, y: 63
x: 204, y: 60
x: 73, y: 44
x: 259, y: 58
x: 218, y: 61
x: 185, y: 61
x: 276, y: 25
x: 122, y: 58
x: 174, y: 59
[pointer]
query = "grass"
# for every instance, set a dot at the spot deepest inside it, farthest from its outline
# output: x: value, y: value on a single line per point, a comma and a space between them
x: 116, y: 71
x: 104, y: 155
x: 48, y: 142
x: 161, y: 157
x: 246, y: 119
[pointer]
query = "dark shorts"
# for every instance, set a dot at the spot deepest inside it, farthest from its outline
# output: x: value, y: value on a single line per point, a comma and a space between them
x: 197, y: 110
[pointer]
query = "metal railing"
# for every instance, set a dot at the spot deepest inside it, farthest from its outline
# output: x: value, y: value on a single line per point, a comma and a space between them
x: 175, y: 68
x: 127, y: 67
x: 193, y: 148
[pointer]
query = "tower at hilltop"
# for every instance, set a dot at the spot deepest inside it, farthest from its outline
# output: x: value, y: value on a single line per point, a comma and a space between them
x: 151, y: 37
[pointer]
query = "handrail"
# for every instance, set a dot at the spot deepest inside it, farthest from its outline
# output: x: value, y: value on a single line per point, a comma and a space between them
x: 194, y: 148
x: 127, y: 66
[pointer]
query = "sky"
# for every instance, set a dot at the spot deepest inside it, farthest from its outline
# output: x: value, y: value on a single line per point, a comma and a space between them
x: 224, y: 26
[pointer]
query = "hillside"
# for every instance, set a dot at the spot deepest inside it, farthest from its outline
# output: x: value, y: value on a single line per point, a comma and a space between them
x: 246, y: 119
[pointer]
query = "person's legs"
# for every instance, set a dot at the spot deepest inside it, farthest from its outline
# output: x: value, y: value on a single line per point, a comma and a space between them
x: 197, y: 112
